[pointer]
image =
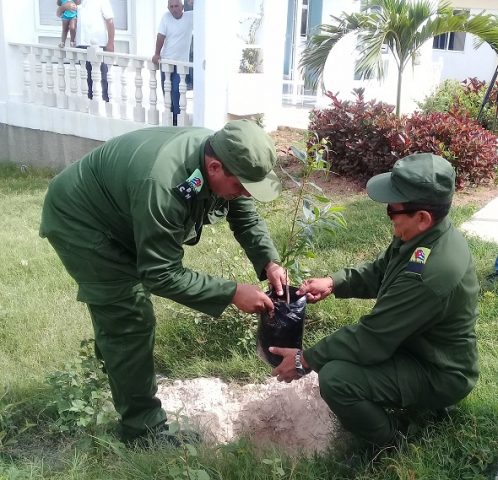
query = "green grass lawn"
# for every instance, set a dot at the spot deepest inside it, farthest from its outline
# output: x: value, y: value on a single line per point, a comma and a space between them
x: 42, y: 325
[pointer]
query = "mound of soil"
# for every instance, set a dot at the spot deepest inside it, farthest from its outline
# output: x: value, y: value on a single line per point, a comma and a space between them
x: 292, y: 416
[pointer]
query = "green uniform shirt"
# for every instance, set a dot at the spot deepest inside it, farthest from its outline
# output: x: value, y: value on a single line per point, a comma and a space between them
x: 130, y: 202
x: 426, y: 309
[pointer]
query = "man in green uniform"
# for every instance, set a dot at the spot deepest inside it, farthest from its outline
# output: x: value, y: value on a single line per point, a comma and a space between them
x: 118, y: 219
x: 417, y: 347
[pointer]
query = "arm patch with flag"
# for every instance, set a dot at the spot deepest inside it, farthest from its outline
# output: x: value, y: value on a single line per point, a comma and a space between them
x: 418, y: 260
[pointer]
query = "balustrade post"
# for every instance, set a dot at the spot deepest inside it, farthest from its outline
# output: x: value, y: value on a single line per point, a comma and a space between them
x: 83, y: 100
x: 123, y: 106
x: 95, y: 60
x: 26, y: 66
x: 73, y: 98
x: 109, y: 105
x: 39, y: 75
x: 167, y: 115
x: 138, y: 109
x: 50, y: 96
x: 181, y: 117
x: 62, y: 99
x: 153, y: 112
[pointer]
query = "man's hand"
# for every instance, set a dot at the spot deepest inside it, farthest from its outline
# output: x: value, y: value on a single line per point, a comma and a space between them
x: 286, y: 371
x: 252, y: 299
x: 276, y: 276
x: 156, y: 58
x: 316, y: 289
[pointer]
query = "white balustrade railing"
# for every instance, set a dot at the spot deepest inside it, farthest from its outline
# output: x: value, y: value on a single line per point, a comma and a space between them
x: 58, y: 78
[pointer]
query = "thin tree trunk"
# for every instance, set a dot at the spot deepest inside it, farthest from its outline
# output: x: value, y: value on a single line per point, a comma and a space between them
x: 398, y: 94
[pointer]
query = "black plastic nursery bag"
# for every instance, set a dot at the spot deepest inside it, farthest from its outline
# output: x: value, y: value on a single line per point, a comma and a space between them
x: 285, y: 328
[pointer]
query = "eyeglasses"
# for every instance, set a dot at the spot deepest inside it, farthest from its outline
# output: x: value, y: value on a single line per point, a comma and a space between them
x: 391, y: 212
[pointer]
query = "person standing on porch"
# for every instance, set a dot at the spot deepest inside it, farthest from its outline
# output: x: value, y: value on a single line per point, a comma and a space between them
x: 173, y: 43
x: 69, y: 19
x: 95, y: 27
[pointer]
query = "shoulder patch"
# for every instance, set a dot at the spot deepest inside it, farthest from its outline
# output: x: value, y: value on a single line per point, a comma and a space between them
x: 191, y: 186
x: 418, y: 260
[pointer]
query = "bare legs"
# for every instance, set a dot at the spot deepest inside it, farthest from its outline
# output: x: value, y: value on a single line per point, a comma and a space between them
x: 68, y: 26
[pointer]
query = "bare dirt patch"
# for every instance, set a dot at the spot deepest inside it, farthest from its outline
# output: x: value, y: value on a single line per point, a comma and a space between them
x: 340, y: 187
x: 292, y: 416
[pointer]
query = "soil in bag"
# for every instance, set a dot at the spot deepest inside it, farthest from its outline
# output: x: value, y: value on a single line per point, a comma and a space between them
x: 285, y: 328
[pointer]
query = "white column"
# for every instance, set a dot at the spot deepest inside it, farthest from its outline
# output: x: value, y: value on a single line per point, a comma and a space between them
x: 214, y: 33
x: 273, y: 41
x: 4, y: 88
x: 18, y: 29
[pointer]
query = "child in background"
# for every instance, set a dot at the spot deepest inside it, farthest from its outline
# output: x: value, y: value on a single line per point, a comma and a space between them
x: 68, y: 23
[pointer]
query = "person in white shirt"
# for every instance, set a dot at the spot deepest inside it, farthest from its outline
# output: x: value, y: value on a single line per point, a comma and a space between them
x: 173, y: 43
x: 95, y: 27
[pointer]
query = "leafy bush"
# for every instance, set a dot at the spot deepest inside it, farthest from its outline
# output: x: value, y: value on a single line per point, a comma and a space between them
x: 463, y: 142
x: 366, y: 138
x: 81, y: 394
x: 11, y: 423
x: 463, y: 98
x: 361, y: 136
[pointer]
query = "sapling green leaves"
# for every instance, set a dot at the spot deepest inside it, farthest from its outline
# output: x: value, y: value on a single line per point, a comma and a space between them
x: 313, y: 213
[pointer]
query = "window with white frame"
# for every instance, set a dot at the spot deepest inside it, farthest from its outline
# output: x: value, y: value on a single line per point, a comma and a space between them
x: 450, y: 41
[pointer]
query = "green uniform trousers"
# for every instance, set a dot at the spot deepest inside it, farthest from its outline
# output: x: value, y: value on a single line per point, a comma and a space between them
x: 124, y: 336
x: 124, y: 340
x: 360, y: 394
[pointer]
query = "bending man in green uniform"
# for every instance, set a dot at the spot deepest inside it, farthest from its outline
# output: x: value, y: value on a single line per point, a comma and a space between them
x: 118, y: 219
x: 417, y: 347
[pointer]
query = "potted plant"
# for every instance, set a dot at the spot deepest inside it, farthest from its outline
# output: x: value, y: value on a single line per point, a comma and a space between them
x: 313, y: 214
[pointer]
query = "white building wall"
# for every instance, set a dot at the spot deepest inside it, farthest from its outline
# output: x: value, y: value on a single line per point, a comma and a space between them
x: 433, y: 66
x: 216, y: 38
x: 472, y: 62
x: 3, y: 66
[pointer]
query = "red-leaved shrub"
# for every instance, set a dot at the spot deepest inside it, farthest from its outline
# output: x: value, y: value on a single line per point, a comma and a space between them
x: 366, y: 138
x: 462, y: 141
x: 360, y: 135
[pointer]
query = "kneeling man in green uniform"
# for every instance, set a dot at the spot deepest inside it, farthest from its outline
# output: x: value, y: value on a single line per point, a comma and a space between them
x: 118, y: 219
x: 416, y: 349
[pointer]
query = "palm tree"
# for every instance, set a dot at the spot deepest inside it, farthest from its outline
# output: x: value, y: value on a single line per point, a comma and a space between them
x: 402, y: 26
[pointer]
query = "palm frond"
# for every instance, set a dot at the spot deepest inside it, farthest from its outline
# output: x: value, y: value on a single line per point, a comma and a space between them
x: 401, y: 25
x: 318, y: 47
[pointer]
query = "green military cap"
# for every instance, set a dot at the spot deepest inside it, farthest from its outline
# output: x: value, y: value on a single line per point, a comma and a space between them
x: 248, y: 152
x: 419, y: 178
